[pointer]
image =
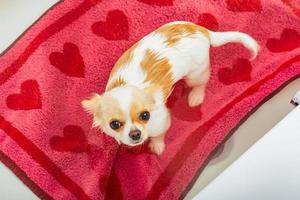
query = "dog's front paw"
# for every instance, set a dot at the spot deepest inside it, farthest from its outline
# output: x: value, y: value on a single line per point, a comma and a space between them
x: 196, y: 96
x: 156, y: 146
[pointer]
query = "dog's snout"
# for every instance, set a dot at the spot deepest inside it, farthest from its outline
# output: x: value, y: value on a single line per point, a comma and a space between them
x: 135, y: 135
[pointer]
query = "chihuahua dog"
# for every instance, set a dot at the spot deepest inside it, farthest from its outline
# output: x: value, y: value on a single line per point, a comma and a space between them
x: 133, y: 106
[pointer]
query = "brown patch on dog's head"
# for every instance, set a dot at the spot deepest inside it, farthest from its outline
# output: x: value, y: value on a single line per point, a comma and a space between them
x: 111, y: 110
x: 142, y: 102
x: 123, y: 105
x: 158, y: 73
x: 104, y: 109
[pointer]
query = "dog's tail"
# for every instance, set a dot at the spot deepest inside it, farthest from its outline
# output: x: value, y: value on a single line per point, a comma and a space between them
x: 221, y: 38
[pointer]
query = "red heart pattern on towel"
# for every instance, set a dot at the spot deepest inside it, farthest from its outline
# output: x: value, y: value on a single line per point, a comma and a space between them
x: 158, y: 2
x: 73, y: 140
x: 29, y: 98
x: 69, y: 62
x: 241, y: 71
x: 114, y: 28
x: 209, y: 21
x: 289, y: 40
x: 179, y: 107
x: 244, y: 5
x: 294, y: 5
x: 102, y: 169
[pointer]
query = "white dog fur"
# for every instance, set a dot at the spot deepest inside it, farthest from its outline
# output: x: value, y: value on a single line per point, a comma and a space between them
x: 144, y: 76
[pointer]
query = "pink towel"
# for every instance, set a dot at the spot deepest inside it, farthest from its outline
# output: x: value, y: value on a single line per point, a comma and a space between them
x: 46, y: 137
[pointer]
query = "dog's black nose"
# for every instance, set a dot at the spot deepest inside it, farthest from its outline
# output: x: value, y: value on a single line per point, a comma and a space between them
x: 135, y: 135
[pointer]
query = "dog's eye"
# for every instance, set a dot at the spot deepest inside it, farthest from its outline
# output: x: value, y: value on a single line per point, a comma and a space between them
x: 145, y: 116
x: 115, y: 124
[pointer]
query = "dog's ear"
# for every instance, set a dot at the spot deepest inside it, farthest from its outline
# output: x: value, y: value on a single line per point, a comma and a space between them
x: 92, y: 105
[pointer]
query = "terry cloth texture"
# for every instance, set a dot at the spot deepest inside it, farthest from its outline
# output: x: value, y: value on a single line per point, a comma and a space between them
x: 46, y: 137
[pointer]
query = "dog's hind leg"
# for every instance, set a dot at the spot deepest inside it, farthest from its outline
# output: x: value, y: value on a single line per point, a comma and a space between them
x: 197, y: 80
